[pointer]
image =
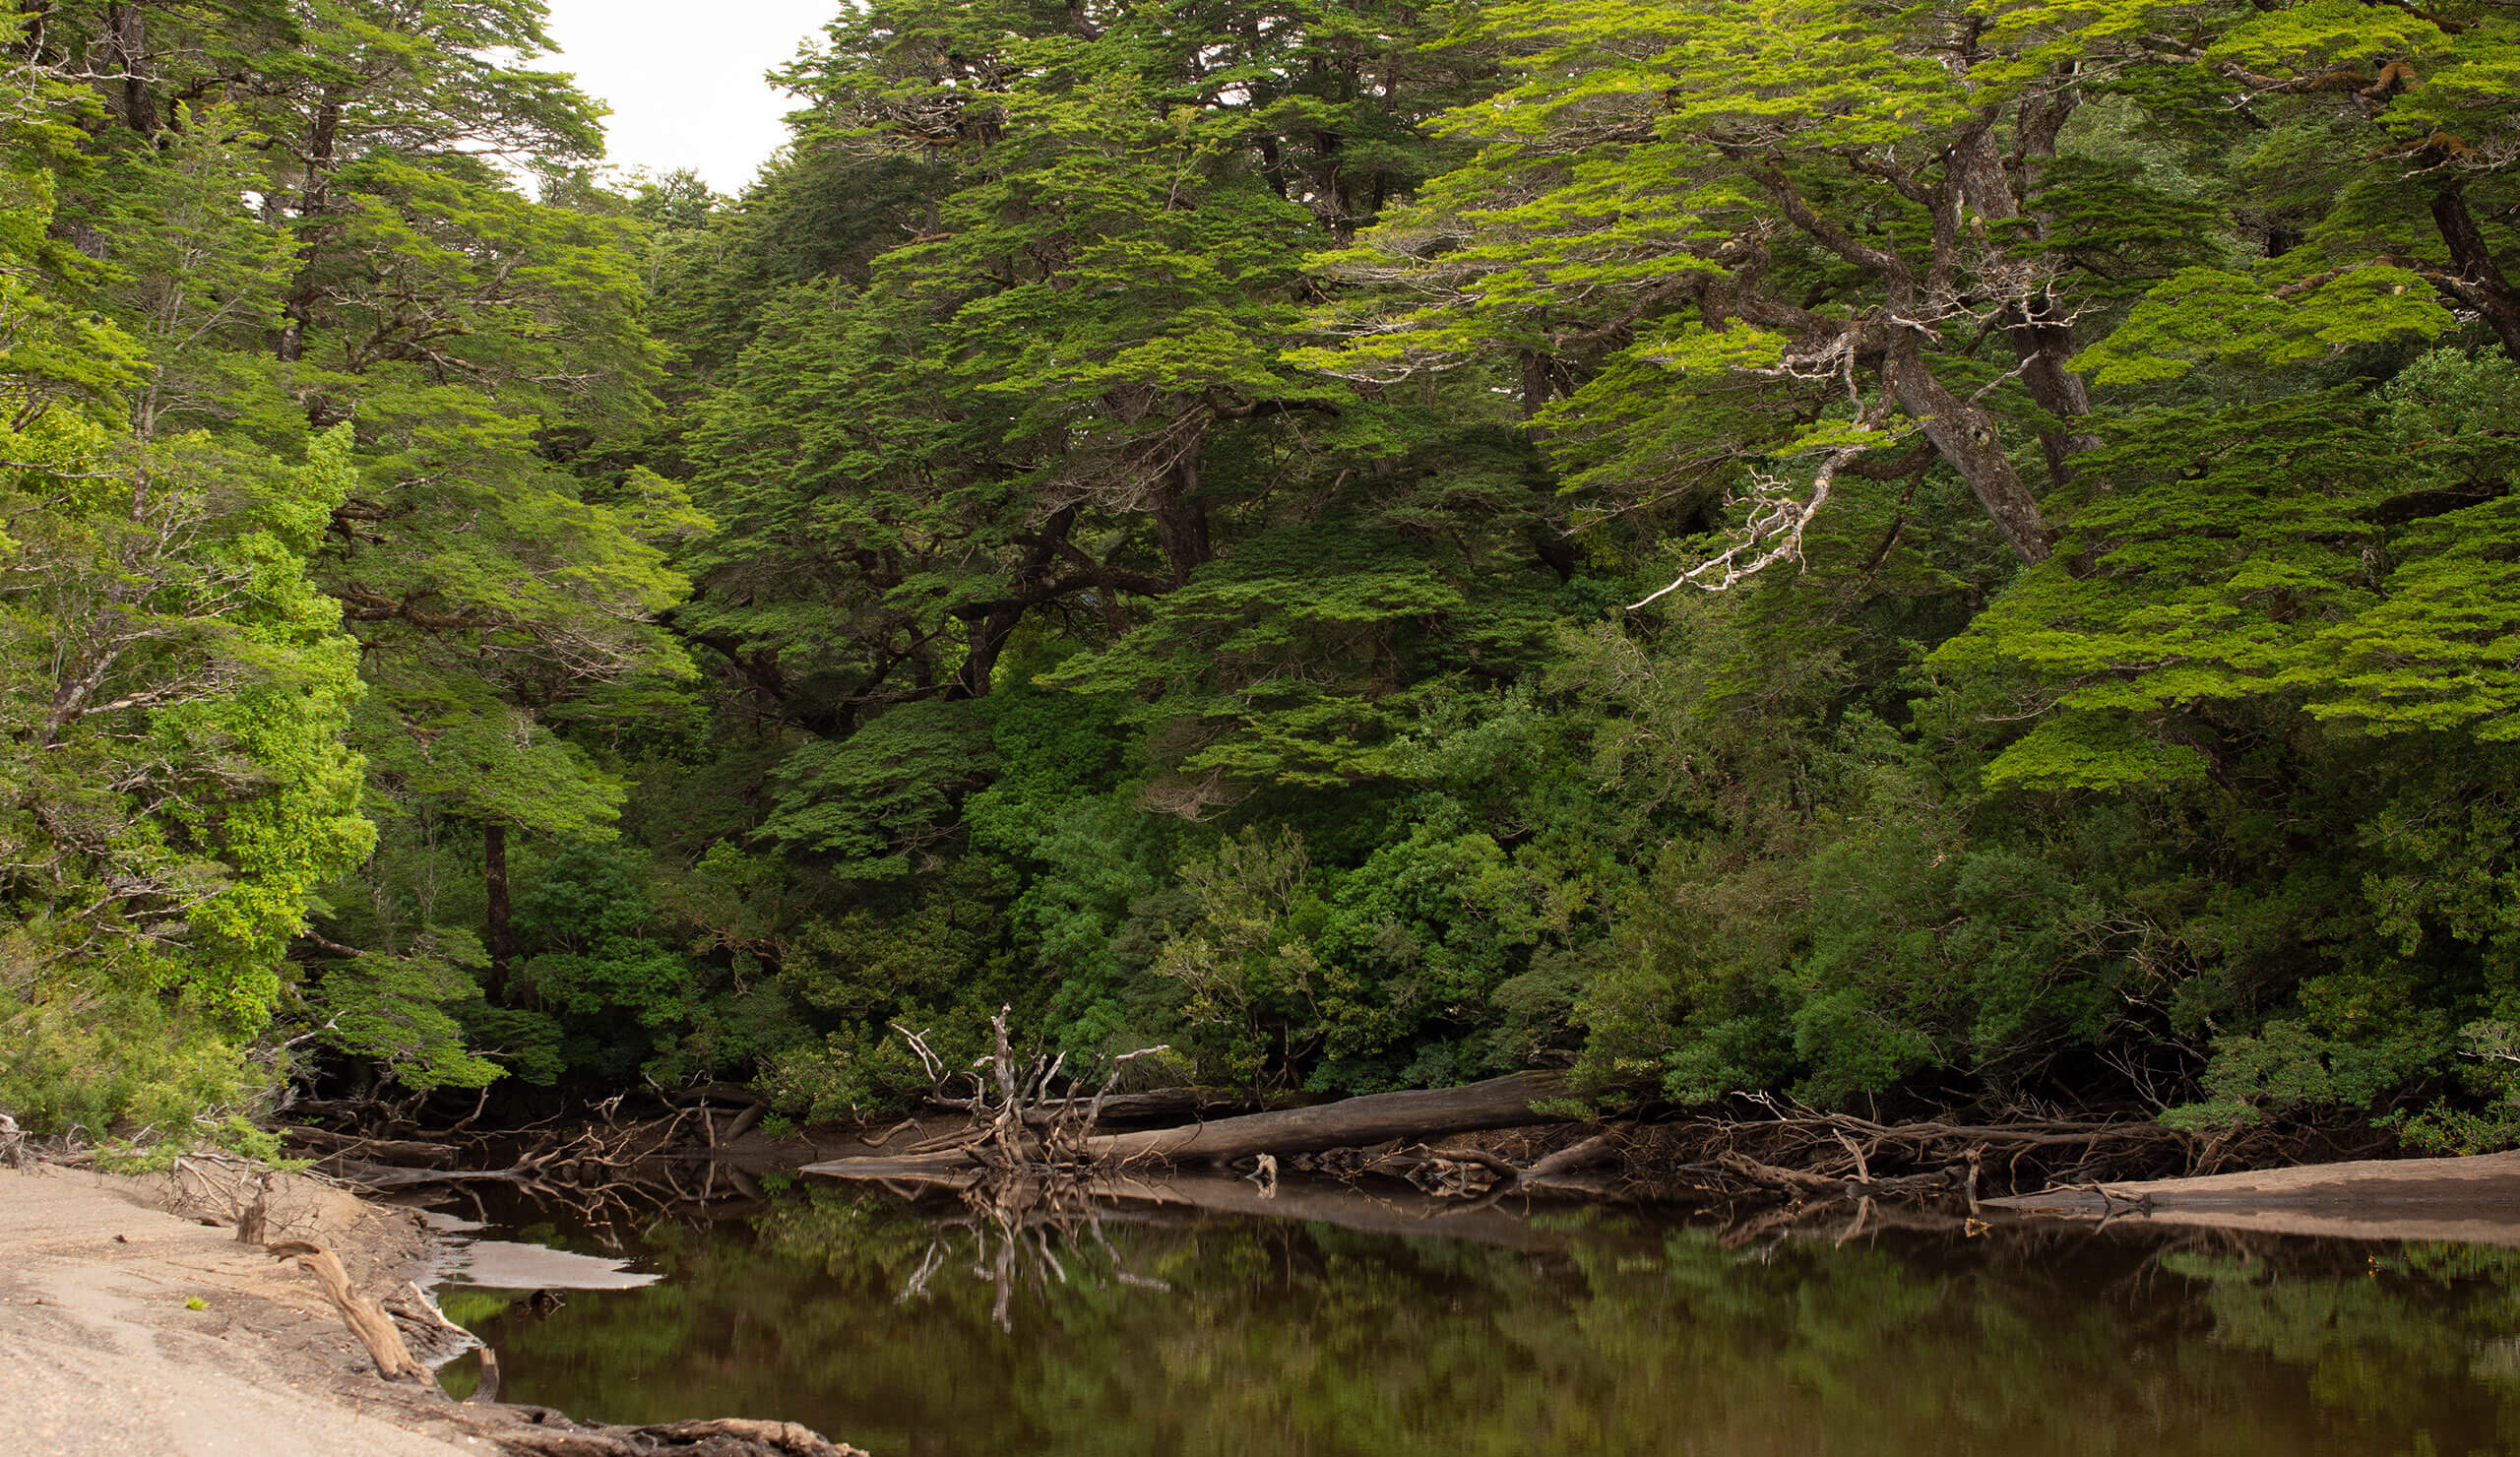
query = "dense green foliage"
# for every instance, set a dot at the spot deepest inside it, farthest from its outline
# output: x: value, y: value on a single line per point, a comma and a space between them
x: 1964, y: 554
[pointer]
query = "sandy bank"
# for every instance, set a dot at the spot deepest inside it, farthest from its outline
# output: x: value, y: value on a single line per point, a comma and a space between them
x: 101, y: 1351
x: 127, y: 1329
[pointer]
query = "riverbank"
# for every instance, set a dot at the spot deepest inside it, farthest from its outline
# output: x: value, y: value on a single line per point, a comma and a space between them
x: 2472, y: 1200
x: 127, y: 1324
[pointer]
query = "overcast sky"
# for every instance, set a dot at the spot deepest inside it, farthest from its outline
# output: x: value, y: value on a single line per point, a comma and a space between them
x: 683, y: 79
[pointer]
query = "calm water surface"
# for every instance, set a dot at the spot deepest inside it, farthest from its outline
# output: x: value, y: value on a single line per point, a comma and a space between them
x: 1200, y: 1336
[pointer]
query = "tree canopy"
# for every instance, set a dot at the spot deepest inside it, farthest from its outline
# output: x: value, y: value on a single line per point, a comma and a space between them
x: 1961, y: 553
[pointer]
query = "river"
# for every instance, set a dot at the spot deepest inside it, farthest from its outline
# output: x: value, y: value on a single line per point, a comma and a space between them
x: 912, y: 1330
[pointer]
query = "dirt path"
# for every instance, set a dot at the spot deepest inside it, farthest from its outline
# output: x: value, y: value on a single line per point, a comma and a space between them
x: 2472, y: 1200
x: 101, y: 1351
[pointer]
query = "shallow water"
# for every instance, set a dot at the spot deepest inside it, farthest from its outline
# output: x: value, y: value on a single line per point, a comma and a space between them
x: 1202, y: 1336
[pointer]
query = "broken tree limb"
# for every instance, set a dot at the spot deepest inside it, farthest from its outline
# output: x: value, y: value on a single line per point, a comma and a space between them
x: 366, y: 1320
x: 1567, y: 1159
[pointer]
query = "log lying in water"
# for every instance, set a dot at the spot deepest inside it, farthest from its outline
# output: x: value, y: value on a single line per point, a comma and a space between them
x: 1354, y: 1122
x: 1393, y: 1211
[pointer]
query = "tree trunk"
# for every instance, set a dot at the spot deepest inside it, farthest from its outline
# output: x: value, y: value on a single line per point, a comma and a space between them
x: 1390, y: 1210
x: 2482, y: 286
x: 1181, y: 521
x: 127, y: 51
x: 1354, y: 1122
x: 1967, y: 437
x: 494, y: 885
x: 2043, y: 349
x: 299, y: 309
x: 2042, y: 344
x: 988, y: 636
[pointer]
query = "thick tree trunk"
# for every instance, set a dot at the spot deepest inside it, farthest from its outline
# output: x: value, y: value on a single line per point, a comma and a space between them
x: 2042, y: 349
x: 127, y: 51
x: 299, y: 309
x: 1388, y: 1209
x: 1548, y: 533
x: 2481, y: 282
x: 2042, y: 344
x: 1181, y: 523
x: 1968, y: 438
x: 494, y: 885
x: 988, y: 636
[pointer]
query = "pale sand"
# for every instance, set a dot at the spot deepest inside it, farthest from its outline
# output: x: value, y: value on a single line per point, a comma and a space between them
x: 99, y: 1355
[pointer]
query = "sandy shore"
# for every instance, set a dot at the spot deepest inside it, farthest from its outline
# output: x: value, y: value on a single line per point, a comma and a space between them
x: 127, y: 1329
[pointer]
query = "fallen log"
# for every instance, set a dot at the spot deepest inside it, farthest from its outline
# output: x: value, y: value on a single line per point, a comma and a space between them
x: 1394, y: 1212
x: 1174, y: 1104
x: 382, y: 1150
x: 366, y: 1320
x: 1378, y: 1117
x: 554, y: 1437
x: 1353, y: 1122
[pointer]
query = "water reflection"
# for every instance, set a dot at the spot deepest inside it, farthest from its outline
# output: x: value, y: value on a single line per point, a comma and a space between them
x: 1182, y: 1335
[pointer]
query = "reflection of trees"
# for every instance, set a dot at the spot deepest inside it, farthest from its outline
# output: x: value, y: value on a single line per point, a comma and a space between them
x: 1019, y: 1229
x: 1612, y: 1338
x: 2388, y: 1338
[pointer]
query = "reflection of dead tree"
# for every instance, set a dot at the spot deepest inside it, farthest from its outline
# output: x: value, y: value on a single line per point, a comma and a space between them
x: 612, y: 1174
x: 1019, y: 1228
x: 1481, y: 1175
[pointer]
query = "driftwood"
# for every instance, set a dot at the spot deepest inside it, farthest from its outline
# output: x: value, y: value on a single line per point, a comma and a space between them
x: 724, y: 1438
x: 1399, y: 1212
x: 374, y: 1150
x: 1376, y: 1118
x: 366, y: 1318
x: 1178, y: 1104
x: 537, y: 1431
x: 1498, y: 1103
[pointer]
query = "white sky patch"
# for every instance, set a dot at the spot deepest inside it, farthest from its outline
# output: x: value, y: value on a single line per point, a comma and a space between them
x: 684, y: 80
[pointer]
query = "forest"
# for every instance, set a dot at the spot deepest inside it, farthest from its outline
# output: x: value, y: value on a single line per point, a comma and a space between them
x: 1955, y: 556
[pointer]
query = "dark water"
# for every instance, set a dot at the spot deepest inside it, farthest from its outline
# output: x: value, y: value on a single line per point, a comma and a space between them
x: 1203, y: 1336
